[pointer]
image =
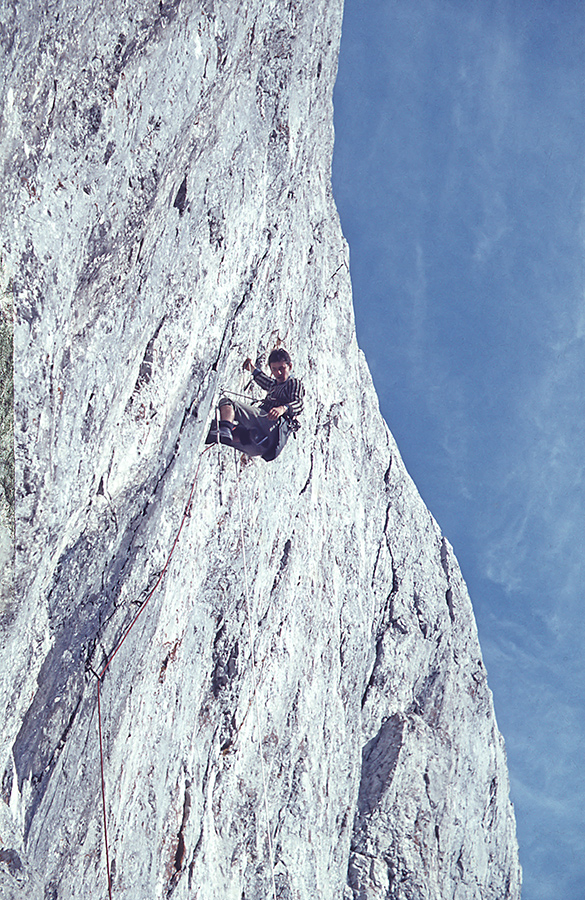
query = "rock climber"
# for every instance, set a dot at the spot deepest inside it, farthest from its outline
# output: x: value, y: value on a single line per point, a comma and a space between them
x: 263, y: 430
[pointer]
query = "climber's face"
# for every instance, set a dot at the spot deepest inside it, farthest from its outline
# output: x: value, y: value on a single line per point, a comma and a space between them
x: 280, y: 371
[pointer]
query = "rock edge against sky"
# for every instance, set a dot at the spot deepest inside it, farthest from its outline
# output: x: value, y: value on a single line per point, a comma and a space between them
x: 167, y: 211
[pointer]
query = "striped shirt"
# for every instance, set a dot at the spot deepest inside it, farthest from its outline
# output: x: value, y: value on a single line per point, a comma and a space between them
x: 290, y: 393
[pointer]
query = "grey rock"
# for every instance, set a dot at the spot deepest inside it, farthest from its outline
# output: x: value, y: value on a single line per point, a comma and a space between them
x: 300, y: 708
x: 6, y: 442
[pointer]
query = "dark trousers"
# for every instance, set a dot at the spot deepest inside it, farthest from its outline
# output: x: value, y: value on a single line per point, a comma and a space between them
x: 254, y: 433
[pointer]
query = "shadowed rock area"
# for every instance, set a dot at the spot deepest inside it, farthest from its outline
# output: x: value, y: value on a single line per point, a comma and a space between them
x: 300, y: 709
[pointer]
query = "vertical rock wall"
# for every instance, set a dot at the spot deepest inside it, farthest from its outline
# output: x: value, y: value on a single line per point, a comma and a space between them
x: 301, y: 707
x: 6, y: 440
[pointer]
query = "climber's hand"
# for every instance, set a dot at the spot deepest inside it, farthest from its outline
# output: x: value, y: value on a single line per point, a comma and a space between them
x: 276, y: 412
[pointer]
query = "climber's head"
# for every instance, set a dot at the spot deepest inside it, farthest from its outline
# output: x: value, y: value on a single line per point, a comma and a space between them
x: 280, y: 365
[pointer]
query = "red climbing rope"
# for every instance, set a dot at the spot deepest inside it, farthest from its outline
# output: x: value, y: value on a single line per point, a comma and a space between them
x: 115, y: 651
x: 99, y: 707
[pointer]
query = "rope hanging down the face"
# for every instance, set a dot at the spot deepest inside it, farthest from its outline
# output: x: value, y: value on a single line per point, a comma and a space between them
x: 99, y: 677
x: 254, y: 684
x: 105, y: 818
x: 110, y: 659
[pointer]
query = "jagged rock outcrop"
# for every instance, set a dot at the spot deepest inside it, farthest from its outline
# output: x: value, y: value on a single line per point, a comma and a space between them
x: 306, y: 682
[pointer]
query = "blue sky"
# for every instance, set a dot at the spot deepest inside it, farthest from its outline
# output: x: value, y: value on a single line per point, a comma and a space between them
x: 459, y: 177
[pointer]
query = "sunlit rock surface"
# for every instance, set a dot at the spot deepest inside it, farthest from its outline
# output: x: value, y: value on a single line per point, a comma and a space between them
x: 166, y: 212
x: 6, y: 440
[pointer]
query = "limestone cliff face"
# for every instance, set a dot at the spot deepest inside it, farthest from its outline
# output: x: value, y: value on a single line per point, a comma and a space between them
x: 301, y: 709
x: 6, y: 441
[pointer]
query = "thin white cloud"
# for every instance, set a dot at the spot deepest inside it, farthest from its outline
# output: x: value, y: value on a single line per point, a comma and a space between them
x: 416, y: 288
x: 471, y: 225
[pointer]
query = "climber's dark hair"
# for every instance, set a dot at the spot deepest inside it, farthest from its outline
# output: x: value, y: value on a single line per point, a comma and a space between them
x: 280, y: 355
